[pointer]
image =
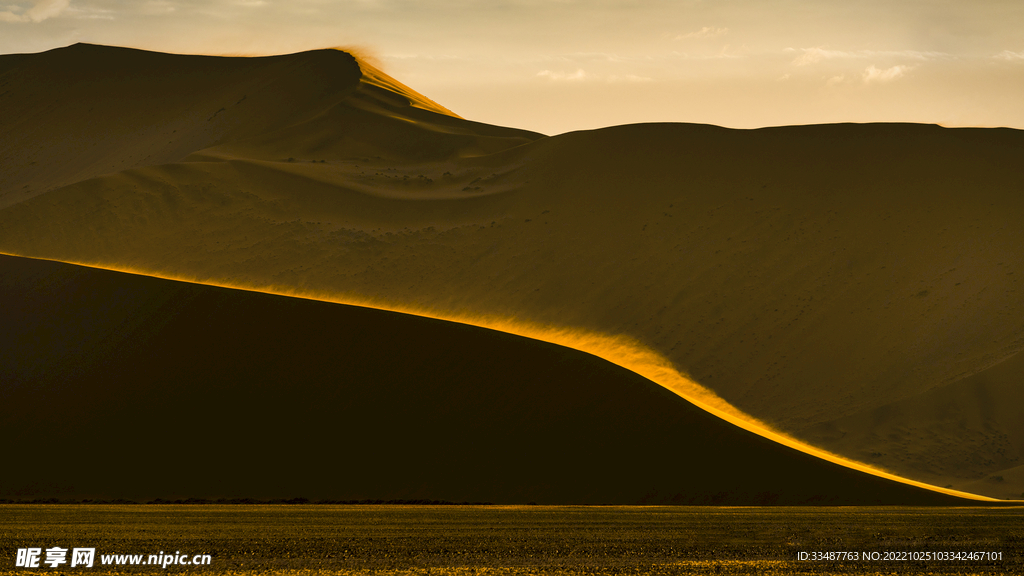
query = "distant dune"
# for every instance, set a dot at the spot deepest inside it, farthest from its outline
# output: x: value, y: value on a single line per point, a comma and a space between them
x: 854, y: 285
x: 124, y: 386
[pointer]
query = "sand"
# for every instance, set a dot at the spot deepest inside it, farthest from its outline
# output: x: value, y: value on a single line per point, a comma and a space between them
x: 813, y: 276
x: 126, y: 386
x: 301, y: 540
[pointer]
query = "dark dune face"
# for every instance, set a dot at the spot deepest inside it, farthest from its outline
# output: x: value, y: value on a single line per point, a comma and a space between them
x: 125, y: 386
x: 74, y: 113
x: 856, y: 286
x: 100, y: 110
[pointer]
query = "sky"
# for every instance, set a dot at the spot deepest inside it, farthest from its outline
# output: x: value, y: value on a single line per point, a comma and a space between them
x: 559, y: 65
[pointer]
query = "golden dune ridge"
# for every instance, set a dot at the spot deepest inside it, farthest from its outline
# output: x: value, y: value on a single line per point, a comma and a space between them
x: 353, y: 403
x: 375, y: 78
x: 617, y: 350
x: 830, y: 281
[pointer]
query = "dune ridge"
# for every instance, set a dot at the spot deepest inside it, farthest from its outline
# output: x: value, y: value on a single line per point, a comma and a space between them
x: 269, y: 393
x: 373, y: 77
x: 122, y: 108
x: 618, y: 350
x: 804, y: 274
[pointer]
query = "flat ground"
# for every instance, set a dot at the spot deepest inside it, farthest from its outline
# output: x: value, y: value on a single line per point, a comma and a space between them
x: 520, y: 539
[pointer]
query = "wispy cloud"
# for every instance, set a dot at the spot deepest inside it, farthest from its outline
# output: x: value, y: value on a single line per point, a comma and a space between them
x: 158, y: 7
x: 1007, y: 55
x: 90, y: 12
x: 835, y: 80
x: 630, y: 78
x: 705, y: 32
x: 872, y: 74
x: 576, y: 76
x: 581, y: 75
x: 812, y: 55
x: 818, y: 54
x: 40, y: 10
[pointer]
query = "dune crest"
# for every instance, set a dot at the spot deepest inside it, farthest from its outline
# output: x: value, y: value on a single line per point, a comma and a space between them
x: 170, y: 108
x: 541, y: 422
x: 618, y: 350
x: 387, y: 87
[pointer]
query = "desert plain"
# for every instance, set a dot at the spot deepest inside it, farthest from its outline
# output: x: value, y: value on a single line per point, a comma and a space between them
x: 519, y: 540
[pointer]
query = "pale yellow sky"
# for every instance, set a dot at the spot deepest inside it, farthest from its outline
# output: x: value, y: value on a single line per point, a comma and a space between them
x: 559, y: 65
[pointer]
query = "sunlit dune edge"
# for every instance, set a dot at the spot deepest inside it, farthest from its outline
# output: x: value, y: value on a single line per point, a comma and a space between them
x: 619, y: 350
x: 374, y: 76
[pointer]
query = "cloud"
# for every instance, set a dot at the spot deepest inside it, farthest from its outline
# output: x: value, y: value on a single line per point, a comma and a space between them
x: 814, y: 55
x: 1007, y: 55
x: 835, y: 80
x: 45, y: 9
x: 705, y: 32
x: 630, y: 78
x: 579, y: 74
x: 872, y: 74
x: 159, y: 7
x: 87, y: 12
x: 40, y: 10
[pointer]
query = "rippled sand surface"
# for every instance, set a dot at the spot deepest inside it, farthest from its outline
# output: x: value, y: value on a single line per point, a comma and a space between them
x: 503, y: 540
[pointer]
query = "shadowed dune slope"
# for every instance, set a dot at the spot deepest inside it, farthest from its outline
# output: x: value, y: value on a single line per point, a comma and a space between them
x: 126, y: 386
x: 77, y: 112
x: 976, y: 420
x: 806, y: 274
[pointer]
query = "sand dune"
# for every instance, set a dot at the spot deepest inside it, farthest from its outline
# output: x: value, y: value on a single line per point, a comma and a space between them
x: 125, y: 386
x: 114, y: 109
x: 812, y: 275
x: 974, y: 421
